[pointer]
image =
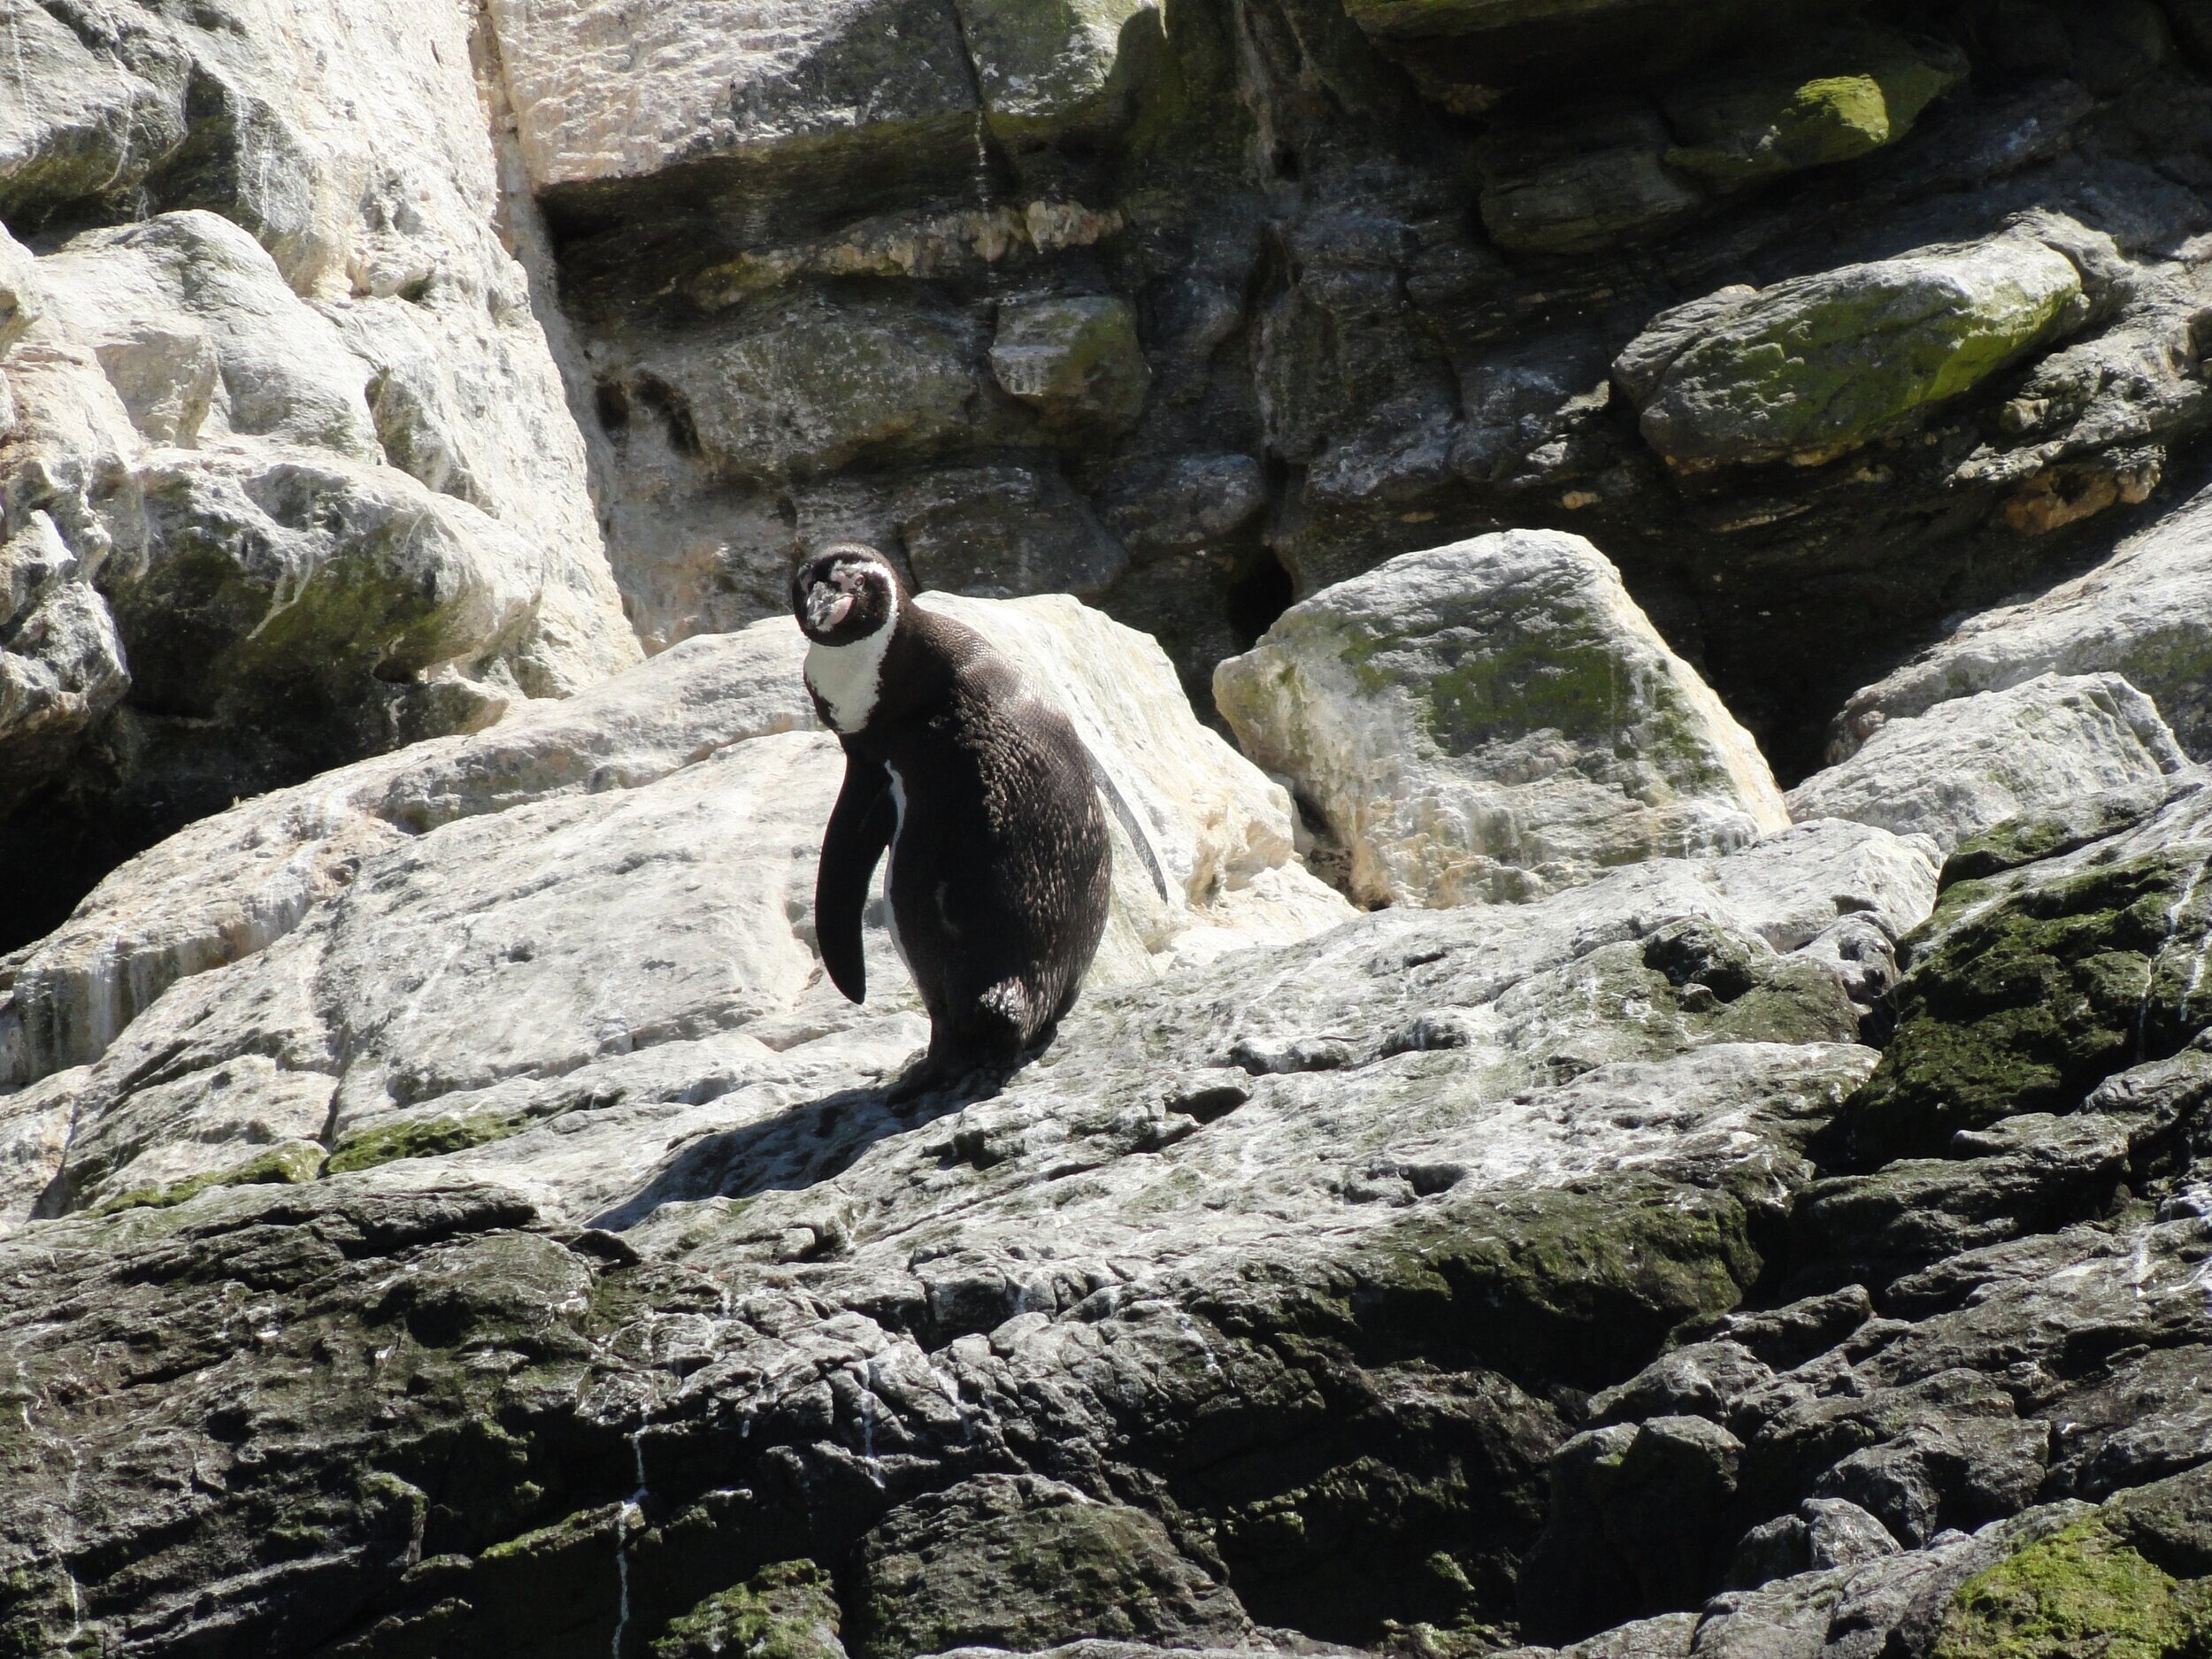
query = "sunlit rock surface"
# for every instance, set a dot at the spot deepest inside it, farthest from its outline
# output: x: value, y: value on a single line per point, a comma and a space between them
x: 1493, y: 720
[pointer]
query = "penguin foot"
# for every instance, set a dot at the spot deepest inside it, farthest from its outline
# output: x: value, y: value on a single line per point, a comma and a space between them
x: 958, y: 1079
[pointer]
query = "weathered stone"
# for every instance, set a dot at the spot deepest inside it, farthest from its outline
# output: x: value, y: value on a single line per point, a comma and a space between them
x: 699, y: 82
x: 1846, y: 94
x: 61, y: 664
x: 198, y: 333
x: 1183, y: 505
x: 1046, y: 65
x: 998, y: 532
x: 1493, y: 720
x: 1823, y: 1534
x: 79, y: 122
x: 1569, y: 184
x: 1076, y: 361
x: 2076, y: 1589
x: 2029, y: 986
x: 171, y: 364
x: 811, y: 385
x: 2136, y: 615
x: 1017, y: 1562
x: 2031, y: 1173
x: 1818, y: 365
x: 1967, y: 765
x: 785, y: 1611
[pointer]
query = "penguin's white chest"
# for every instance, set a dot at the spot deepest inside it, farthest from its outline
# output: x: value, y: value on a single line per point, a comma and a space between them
x: 846, y: 678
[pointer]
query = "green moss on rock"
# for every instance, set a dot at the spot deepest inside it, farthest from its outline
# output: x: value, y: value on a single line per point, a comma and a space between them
x: 293, y: 1162
x: 1564, y: 1284
x: 1847, y: 97
x: 2080, y: 1592
x: 1019, y: 1563
x: 1814, y: 368
x: 422, y: 1138
x: 786, y: 1610
x: 2025, y: 1005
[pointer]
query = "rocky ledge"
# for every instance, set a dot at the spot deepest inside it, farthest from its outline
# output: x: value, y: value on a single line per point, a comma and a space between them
x: 451, y: 1213
x: 1653, y: 1104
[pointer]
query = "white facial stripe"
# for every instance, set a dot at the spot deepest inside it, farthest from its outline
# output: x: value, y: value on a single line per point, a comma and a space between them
x: 846, y: 677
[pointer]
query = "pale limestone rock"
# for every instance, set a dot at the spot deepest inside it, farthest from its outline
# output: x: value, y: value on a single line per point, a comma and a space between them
x: 34, y: 1137
x: 614, y: 89
x: 1493, y: 720
x: 1974, y: 762
x: 2145, y: 613
x: 186, y: 423
x: 201, y: 337
x: 350, y: 139
x: 61, y: 662
x: 610, y: 90
x: 628, y: 872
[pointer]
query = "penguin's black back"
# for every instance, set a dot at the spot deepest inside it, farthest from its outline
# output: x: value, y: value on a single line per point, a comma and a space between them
x: 1001, y: 865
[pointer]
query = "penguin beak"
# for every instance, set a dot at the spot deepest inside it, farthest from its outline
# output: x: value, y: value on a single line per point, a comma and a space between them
x: 826, y: 607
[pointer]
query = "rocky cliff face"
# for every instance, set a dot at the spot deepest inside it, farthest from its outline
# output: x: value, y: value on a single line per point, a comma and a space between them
x: 1671, y: 1120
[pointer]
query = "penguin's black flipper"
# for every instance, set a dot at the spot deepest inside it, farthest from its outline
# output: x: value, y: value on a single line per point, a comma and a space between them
x: 860, y: 827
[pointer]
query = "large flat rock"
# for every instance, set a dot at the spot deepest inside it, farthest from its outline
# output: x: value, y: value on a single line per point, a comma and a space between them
x: 384, y: 907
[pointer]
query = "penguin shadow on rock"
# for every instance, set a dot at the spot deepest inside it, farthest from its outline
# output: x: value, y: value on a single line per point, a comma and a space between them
x: 980, y: 801
x: 789, y: 1152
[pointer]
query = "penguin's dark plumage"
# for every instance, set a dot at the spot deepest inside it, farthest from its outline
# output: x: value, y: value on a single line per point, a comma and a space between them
x: 981, y: 795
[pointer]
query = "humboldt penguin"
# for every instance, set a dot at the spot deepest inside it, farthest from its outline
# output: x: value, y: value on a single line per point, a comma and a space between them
x: 980, y: 794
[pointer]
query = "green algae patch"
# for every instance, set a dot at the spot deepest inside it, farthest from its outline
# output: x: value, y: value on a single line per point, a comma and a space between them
x: 1565, y: 1283
x: 784, y: 1611
x: 2079, y: 1593
x: 422, y: 1138
x: 293, y: 1162
x: 1812, y: 368
x: 1857, y: 95
x: 2026, y: 1004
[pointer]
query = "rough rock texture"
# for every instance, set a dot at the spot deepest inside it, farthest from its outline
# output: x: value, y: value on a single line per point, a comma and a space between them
x: 1493, y: 720
x: 1012, y: 1561
x: 2140, y: 614
x: 446, y: 1212
x: 1809, y: 370
x: 1559, y: 1130
x: 679, y: 807
x: 289, y: 474
x: 1040, y: 273
x: 1968, y: 766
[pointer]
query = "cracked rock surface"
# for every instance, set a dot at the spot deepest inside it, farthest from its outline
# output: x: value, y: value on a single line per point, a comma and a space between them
x: 1699, y: 509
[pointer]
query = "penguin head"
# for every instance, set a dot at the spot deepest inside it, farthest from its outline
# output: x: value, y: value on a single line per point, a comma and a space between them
x: 844, y: 594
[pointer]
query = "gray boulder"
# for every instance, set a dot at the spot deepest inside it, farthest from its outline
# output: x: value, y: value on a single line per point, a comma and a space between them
x: 2137, y: 614
x: 1493, y: 720
x: 1966, y: 765
x: 1814, y: 368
